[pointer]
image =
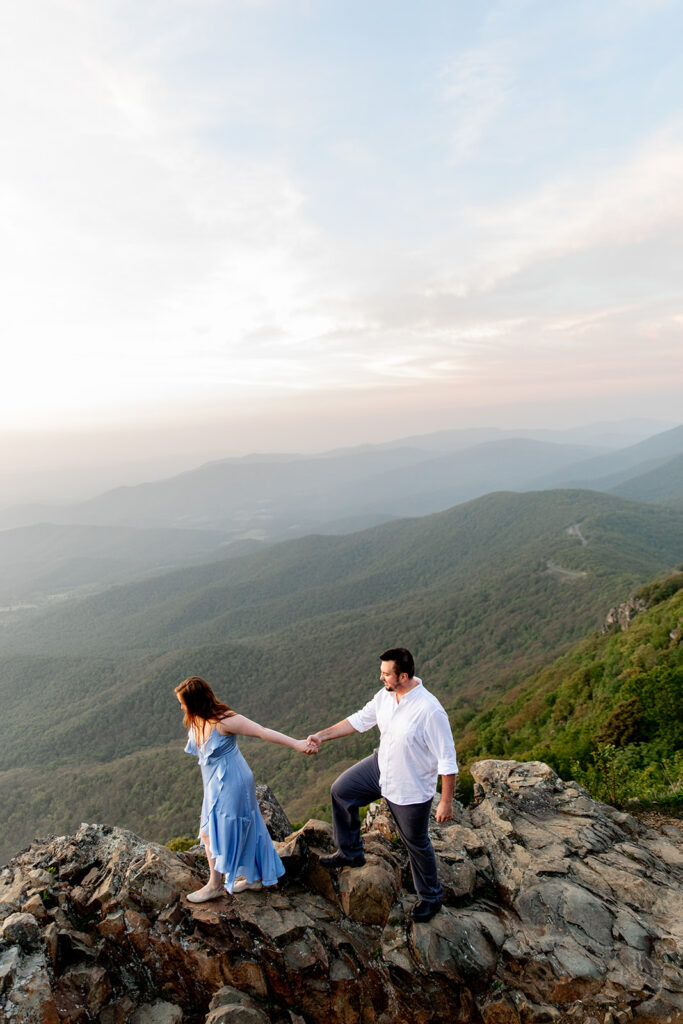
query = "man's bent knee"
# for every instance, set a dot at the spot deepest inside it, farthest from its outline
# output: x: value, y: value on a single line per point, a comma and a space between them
x: 337, y: 789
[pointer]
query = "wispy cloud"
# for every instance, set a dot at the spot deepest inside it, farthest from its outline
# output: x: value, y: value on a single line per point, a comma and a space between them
x: 475, y: 88
x: 618, y: 205
x: 192, y: 213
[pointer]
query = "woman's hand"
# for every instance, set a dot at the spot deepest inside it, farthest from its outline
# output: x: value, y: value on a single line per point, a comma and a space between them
x: 305, y: 747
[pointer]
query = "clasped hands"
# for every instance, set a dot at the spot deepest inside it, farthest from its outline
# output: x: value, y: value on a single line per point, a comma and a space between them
x: 312, y: 745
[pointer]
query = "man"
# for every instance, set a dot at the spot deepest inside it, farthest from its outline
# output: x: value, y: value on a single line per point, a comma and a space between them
x: 416, y: 746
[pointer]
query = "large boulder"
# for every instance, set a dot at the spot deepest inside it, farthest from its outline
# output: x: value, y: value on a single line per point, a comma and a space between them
x: 557, y: 908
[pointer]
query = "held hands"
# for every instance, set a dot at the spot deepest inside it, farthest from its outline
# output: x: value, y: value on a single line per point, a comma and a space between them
x: 304, y: 747
x: 444, y: 811
x: 308, y: 746
x: 312, y: 744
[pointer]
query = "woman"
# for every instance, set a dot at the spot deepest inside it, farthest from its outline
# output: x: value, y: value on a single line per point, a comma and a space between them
x: 232, y: 829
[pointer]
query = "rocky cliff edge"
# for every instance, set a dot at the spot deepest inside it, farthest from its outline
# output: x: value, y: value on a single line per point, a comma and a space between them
x: 557, y: 908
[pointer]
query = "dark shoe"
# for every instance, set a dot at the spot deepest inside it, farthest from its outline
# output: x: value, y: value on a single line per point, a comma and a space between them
x: 424, y: 910
x: 340, y: 860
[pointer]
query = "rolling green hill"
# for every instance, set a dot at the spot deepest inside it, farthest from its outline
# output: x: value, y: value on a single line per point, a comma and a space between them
x: 608, y: 712
x: 483, y: 593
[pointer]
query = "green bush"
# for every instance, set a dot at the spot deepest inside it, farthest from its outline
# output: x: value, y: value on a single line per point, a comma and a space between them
x: 181, y: 843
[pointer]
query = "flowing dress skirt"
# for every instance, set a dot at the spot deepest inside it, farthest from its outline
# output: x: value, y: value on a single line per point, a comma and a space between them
x: 230, y: 815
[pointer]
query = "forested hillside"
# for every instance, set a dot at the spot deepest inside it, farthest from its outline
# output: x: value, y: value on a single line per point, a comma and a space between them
x: 47, y: 562
x: 607, y: 713
x: 483, y: 593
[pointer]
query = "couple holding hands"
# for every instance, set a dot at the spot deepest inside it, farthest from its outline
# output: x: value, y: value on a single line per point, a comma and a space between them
x: 416, y: 746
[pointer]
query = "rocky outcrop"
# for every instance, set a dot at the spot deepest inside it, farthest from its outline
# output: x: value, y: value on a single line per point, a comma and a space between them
x: 558, y: 908
x: 621, y: 617
x: 277, y: 822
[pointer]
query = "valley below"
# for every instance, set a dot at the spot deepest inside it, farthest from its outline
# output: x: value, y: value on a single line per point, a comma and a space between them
x: 548, y: 622
x: 91, y: 730
x: 113, y: 601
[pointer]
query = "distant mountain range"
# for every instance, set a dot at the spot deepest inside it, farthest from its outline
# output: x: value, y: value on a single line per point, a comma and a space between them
x: 224, y: 508
x: 279, y: 496
x: 276, y: 496
x: 484, y: 593
x: 605, y: 472
x: 664, y: 483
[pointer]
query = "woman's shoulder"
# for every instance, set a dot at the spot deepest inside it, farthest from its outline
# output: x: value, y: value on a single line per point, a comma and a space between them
x: 226, y: 724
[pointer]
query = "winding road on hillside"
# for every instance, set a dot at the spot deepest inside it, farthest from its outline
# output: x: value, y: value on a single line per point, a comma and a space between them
x: 573, y: 573
x: 573, y: 531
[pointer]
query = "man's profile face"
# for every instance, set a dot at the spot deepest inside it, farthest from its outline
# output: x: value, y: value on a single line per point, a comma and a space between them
x: 388, y: 675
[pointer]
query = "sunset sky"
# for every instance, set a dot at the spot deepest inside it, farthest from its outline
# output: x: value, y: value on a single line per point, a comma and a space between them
x: 279, y: 224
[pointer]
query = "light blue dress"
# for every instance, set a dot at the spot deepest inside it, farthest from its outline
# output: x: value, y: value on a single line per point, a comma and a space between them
x: 230, y: 815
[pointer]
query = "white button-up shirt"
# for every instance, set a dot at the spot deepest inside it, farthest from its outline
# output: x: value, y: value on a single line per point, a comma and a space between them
x: 416, y: 744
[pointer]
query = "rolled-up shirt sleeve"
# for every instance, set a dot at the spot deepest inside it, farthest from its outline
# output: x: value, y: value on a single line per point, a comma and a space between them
x: 440, y: 739
x: 364, y: 719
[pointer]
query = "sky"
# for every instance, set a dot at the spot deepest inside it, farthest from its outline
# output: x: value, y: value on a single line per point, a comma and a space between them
x: 236, y: 225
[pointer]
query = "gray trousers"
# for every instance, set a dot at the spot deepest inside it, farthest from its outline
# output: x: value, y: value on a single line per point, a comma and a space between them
x: 359, y: 785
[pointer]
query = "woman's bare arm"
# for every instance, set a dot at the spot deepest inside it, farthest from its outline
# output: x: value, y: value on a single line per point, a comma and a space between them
x: 241, y: 726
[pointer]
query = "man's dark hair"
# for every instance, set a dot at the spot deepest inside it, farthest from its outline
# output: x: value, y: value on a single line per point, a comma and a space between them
x: 402, y: 658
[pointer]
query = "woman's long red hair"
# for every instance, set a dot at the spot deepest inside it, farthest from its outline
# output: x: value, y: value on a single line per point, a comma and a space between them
x: 201, y: 703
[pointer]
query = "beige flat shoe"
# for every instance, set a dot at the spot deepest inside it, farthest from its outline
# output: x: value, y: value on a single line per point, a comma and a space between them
x: 204, y: 894
x: 241, y: 884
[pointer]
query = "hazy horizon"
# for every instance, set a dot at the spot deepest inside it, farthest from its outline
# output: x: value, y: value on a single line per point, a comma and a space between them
x: 80, y: 466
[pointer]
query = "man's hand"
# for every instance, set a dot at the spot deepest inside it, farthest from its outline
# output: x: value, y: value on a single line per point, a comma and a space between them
x: 444, y: 811
x: 312, y: 744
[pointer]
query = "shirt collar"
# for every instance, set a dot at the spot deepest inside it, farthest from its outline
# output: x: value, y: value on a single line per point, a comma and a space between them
x: 415, y: 689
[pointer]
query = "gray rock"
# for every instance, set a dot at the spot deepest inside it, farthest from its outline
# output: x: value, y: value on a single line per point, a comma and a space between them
x: 23, y: 930
x: 277, y: 822
x: 462, y: 945
x: 554, y: 902
x: 621, y: 617
x: 30, y: 999
x: 158, y: 1012
x: 13, y: 889
x: 9, y: 962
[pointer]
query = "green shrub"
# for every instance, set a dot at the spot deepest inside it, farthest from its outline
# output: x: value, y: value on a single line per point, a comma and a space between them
x: 624, y: 725
x: 181, y: 843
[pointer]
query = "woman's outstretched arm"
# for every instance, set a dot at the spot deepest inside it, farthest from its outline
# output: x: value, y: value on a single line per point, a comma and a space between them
x: 241, y: 726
